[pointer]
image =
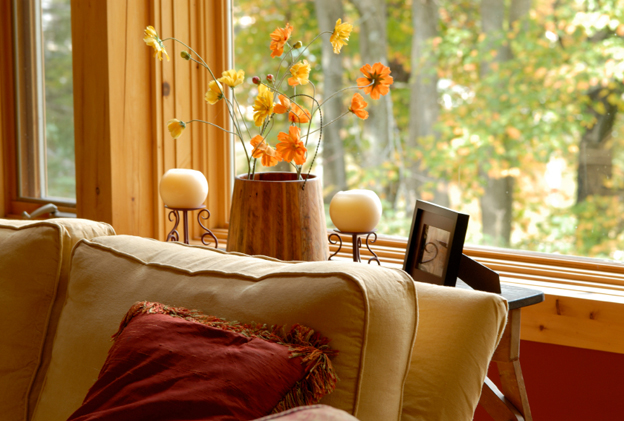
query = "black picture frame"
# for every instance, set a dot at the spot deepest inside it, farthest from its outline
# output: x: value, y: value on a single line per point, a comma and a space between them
x: 435, y: 245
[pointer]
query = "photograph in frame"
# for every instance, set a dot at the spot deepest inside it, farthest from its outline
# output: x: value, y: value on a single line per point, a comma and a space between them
x: 435, y: 244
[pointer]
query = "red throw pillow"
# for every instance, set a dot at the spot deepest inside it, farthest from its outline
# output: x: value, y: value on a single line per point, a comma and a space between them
x: 177, y: 364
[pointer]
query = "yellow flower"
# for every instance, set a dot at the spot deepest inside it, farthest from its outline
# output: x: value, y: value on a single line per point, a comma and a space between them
x: 176, y: 127
x: 214, y: 93
x: 152, y: 40
x: 263, y: 105
x: 232, y: 78
x: 300, y: 73
x: 340, y: 35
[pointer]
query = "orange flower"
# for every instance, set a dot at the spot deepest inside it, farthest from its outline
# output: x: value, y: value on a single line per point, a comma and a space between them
x: 283, y: 107
x: 298, y: 114
x: 300, y: 73
x: 291, y: 147
x: 357, y: 106
x: 340, y: 36
x: 379, y: 76
x: 270, y: 157
x: 278, y: 39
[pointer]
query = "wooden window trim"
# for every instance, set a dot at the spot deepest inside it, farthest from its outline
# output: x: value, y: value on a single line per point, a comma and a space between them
x: 11, y: 204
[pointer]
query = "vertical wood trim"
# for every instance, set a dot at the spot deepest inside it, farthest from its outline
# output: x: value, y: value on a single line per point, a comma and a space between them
x: 156, y: 75
x: 7, y: 100
x: 94, y: 195
x: 166, y: 100
x: 113, y: 114
x: 217, y: 144
x: 131, y: 120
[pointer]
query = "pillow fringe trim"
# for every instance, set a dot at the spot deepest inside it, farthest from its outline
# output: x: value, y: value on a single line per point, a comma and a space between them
x: 313, y: 349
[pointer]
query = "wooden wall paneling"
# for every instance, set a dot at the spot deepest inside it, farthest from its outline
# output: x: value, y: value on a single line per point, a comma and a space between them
x: 166, y: 99
x: 218, y: 144
x: 113, y: 118
x: 158, y: 126
x: 182, y: 82
x: 130, y: 118
x: 198, y: 88
x: 94, y: 190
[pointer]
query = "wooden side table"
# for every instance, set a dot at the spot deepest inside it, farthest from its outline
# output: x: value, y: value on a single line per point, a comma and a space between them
x: 512, y: 402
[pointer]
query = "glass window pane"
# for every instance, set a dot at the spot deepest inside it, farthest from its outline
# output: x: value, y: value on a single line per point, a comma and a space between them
x: 45, y: 100
x: 59, y: 98
x: 510, y: 111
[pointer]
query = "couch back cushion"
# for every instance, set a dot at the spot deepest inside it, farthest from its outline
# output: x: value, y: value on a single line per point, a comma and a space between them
x: 368, y: 312
x: 34, y: 266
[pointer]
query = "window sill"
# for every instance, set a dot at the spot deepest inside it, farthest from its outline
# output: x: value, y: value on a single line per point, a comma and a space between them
x: 584, y: 305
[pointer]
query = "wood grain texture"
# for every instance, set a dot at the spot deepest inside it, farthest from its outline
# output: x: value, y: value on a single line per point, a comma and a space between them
x: 578, y: 322
x: 179, y: 87
x: 495, y: 403
x: 6, y: 110
x: 94, y: 189
x: 273, y: 216
x: 509, y: 346
x: 513, y: 387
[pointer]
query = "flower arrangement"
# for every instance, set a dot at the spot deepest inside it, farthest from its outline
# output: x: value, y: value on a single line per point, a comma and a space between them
x: 275, y: 98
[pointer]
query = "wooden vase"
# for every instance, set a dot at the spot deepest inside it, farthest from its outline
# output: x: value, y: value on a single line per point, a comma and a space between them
x: 276, y: 215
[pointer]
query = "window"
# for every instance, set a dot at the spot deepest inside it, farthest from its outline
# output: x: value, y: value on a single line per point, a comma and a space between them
x: 510, y: 111
x: 44, y: 101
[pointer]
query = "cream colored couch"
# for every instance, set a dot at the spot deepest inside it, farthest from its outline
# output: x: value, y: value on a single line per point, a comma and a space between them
x: 407, y: 351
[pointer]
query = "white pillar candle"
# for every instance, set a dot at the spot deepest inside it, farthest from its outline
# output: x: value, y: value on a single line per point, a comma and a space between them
x: 355, y: 210
x: 183, y: 189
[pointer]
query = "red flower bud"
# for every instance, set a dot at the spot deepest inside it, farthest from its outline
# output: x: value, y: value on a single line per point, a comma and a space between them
x: 256, y: 80
x: 270, y: 78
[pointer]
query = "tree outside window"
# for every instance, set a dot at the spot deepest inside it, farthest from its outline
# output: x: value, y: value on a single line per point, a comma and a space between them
x: 506, y: 110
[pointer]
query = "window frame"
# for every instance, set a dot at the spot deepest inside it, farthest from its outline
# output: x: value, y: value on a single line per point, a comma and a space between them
x: 13, y: 203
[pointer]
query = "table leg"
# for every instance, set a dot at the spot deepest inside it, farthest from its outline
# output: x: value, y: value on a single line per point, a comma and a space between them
x: 512, y: 403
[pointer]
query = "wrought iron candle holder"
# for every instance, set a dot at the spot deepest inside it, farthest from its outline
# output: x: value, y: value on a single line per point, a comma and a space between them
x: 174, y: 216
x: 357, y: 243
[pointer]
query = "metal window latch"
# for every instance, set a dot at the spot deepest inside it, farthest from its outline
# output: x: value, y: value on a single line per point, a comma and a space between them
x: 49, y: 208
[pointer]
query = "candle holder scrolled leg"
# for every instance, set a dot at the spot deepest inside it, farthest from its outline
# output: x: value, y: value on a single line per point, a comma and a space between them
x: 356, y: 241
x: 174, y: 215
x: 208, y: 232
x: 174, y: 235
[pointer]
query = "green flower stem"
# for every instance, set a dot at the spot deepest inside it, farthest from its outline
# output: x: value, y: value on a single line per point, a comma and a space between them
x: 239, y: 112
x: 342, y: 90
x: 212, y: 124
x: 333, y: 121
x: 310, y: 43
x: 229, y: 107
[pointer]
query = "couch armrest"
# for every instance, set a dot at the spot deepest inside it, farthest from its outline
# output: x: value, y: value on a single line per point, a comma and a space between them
x: 34, y: 270
x: 458, y: 331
